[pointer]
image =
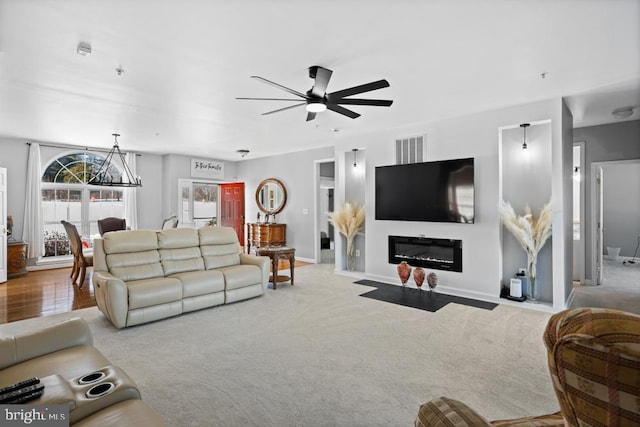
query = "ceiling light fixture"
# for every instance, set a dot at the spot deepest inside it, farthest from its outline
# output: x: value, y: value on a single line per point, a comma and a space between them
x: 315, y: 106
x: 355, y: 154
x: 84, y: 49
x: 108, y: 176
x: 524, y: 127
x: 622, y: 113
x: 242, y: 152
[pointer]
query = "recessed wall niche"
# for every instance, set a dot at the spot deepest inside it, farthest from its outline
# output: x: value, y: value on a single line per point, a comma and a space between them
x: 354, y: 192
x: 525, y: 179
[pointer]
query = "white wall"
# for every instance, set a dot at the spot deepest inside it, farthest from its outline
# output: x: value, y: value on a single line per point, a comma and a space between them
x: 470, y: 136
x: 296, y: 170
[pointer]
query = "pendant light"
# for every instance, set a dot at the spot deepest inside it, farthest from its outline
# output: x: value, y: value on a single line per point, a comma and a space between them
x: 524, y: 127
x: 105, y: 179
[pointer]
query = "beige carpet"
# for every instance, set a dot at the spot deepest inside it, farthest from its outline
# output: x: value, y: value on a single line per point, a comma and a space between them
x: 317, y: 354
x: 619, y: 290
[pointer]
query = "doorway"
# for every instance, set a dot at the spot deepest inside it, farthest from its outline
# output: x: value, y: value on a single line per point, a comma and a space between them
x: 232, y: 207
x: 202, y: 202
x: 324, y: 195
x: 615, y: 211
x: 579, y: 236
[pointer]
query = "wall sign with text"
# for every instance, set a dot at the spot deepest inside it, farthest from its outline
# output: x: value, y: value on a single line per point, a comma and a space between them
x: 207, y: 169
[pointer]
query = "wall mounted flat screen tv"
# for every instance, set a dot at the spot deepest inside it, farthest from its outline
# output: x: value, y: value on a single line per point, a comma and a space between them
x: 441, y: 191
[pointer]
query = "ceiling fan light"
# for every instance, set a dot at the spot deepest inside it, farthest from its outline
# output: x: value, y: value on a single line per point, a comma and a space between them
x: 316, y: 107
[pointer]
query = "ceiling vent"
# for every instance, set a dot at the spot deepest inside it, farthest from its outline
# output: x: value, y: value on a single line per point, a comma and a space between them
x: 410, y: 150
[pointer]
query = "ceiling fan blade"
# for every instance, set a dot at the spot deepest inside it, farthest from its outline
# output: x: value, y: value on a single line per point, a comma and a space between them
x: 358, y: 101
x: 322, y: 80
x: 291, y: 91
x: 270, y: 99
x: 367, y: 87
x: 310, y: 116
x: 285, y: 108
x: 343, y: 111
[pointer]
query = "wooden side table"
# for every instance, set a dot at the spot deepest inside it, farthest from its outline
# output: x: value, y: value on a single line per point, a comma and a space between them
x: 263, y: 235
x: 16, y: 259
x: 277, y: 253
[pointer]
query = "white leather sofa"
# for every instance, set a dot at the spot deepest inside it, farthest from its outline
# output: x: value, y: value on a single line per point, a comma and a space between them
x: 143, y: 275
x: 61, y: 355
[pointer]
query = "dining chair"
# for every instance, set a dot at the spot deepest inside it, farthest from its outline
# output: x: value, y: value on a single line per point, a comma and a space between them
x: 171, y: 222
x: 111, y: 224
x: 81, y: 259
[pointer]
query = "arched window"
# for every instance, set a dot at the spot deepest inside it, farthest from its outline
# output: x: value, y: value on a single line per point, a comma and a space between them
x: 67, y: 196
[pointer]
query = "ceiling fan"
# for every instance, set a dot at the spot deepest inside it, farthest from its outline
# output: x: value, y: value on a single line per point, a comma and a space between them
x: 317, y: 99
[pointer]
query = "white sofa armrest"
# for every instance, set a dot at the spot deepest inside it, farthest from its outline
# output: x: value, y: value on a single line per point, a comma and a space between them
x: 19, y: 348
x: 112, y: 297
x: 260, y: 261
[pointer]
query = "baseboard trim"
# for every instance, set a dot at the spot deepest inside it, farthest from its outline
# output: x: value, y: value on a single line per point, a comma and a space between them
x: 50, y: 265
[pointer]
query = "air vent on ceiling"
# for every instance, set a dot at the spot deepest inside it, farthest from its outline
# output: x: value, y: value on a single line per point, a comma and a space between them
x: 410, y: 150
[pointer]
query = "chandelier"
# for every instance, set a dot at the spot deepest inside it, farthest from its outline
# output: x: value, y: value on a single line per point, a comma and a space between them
x: 103, y: 176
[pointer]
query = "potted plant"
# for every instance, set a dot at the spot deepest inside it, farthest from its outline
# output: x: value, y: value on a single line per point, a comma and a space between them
x: 349, y: 220
x: 530, y: 232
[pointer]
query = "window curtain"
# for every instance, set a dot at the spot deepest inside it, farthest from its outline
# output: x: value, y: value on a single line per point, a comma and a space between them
x: 32, y: 223
x: 130, y: 196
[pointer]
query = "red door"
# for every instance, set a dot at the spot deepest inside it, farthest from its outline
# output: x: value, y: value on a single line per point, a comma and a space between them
x: 232, y: 207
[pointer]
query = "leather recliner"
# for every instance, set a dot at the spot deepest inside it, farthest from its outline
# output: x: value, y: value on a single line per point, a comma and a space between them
x: 58, y: 355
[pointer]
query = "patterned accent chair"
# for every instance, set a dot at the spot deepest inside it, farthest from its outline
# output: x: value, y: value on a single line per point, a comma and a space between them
x: 594, y: 360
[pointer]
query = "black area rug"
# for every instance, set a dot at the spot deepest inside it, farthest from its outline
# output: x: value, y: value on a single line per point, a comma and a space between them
x: 423, y: 300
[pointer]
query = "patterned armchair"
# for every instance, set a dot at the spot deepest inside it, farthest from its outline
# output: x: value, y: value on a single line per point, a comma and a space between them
x: 594, y: 360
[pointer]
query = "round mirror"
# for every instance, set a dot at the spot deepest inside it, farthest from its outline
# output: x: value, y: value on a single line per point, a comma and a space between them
x: 271, y: 196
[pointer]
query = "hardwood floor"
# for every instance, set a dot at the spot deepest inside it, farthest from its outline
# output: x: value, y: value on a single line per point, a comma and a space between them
x: 43, y: 293
x: 46, y: 292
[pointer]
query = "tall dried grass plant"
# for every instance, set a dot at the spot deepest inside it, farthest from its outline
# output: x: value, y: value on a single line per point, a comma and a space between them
x: 349, y: 220
x: 530, y: 232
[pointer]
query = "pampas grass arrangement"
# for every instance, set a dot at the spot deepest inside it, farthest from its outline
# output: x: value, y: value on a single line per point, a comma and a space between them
x: 530, y: 232
x: 348, y: 220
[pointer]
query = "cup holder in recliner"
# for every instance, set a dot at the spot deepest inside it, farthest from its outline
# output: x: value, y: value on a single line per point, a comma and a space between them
x: 100, y: 390
x: 92, y: 377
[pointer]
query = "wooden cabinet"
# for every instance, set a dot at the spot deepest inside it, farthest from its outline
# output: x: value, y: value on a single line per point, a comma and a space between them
x: 16, y: 259
x: 261, y: 235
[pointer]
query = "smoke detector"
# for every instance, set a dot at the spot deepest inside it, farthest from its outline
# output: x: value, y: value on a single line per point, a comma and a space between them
x: 242, y: 152
x: 84, y: 49
x: 622, y: 113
